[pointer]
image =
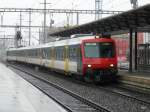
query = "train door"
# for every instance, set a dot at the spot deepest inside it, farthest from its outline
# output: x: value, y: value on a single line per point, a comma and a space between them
x: 79, y: 59
x: 52, y: 56
x: 66, y: 63
x: 40, y: 56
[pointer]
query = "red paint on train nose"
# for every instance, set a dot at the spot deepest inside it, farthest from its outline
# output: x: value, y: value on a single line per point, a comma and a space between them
x: 102, y: 63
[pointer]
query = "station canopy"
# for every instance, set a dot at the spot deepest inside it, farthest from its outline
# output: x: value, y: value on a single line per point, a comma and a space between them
x: 136, y: 20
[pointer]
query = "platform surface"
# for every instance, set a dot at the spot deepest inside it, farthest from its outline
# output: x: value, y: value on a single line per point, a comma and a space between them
x: 17, y: 95
x: 141, y: 79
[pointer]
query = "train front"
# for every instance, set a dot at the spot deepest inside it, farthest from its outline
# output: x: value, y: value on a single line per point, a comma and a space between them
x: 99, y: 59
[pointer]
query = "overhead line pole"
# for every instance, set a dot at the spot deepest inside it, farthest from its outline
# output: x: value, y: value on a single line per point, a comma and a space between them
x: 45, y: 21
x: 29, y: 28
x: 20, y: 21
x: 45, y: 12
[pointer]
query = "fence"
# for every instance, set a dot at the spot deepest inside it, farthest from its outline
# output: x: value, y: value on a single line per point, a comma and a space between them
x: 144, y: 57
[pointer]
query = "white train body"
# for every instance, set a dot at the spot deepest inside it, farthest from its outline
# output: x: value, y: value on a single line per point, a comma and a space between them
x: 48, y: 60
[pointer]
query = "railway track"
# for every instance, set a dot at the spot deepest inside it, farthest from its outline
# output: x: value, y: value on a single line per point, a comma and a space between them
x: 90, y: 105
x: 122, y: 93
x: 112, y: 91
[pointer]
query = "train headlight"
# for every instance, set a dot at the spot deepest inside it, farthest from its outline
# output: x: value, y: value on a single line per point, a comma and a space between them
x: 89, y: 66
x: 96, y: 36
x: 111, y: 65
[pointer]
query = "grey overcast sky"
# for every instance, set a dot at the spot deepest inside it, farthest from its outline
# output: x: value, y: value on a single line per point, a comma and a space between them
x: 60, y: 19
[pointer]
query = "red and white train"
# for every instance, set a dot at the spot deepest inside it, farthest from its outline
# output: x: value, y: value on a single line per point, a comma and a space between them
x: 86, y: 56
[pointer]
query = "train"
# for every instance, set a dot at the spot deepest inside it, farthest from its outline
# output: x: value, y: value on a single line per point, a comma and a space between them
x: 83, y: 55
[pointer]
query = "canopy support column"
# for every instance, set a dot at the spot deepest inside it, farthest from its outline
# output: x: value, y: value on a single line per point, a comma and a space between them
x: 130, y: 51
x: 135, y: 50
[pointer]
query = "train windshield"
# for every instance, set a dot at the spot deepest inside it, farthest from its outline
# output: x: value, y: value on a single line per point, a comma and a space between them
x: 99, y: 50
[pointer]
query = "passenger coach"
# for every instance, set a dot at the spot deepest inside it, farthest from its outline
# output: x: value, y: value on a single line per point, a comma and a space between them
x: 84, y: 55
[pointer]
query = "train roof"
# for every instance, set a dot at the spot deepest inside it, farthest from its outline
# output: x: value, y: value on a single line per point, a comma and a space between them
x: 102, y: 39
x: 71, y: 41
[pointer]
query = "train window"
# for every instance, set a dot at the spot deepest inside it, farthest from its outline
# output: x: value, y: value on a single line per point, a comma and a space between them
x: 56, y: 53
x: 91, y: 50
x: 35, y: 53
x: 99, y: 49
x: 48, y: 50
x: 59, y: 52
x: 72, y: 52
x: 45, y: 52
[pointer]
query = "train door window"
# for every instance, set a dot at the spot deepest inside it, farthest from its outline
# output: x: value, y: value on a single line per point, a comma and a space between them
x: 8, y: 53
x: 50, y: 52
x: 15, y: 53
x: 47, y: 52
x: 28, y: 53
x: 60, y: 53
x: 64, y: 52
x: 11, y: 53
x: 69, y: 52
x: 39, y: 53
x: 56, y: 54
x: 43, y: 53
x: 58, y: 50
x: 73, y: 52
x: 25, y: 53
x: 19, y: 53
x: 31, y: 53
x: 35, y: 53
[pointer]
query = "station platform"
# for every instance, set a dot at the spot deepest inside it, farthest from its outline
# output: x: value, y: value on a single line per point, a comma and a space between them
x: 17, y: 95
x: 137, y: 79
